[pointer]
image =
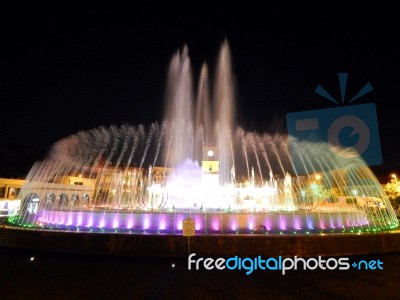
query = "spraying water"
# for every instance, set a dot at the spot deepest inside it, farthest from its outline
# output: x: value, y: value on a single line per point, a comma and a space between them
x: 197, y: 163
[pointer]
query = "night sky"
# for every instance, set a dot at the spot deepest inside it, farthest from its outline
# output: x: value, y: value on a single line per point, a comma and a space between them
x: 70, y: 68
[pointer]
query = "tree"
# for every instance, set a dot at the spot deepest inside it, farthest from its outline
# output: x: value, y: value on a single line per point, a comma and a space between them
x: 392, y: 190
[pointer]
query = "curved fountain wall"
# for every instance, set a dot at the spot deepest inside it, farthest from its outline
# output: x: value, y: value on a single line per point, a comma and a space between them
x: 197, y: 164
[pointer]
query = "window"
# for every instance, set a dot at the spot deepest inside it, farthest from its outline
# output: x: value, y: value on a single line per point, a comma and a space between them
x: 31, y: 203
x: 85, y: 200
x: 50, y: 201
x: 63, y: 201
x: 2, y: 192
x: 74, y: 199
x: 12, y: 192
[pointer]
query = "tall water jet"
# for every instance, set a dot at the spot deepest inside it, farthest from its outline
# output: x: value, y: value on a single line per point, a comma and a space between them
x: 224, y: 108
x: 203, y: 125
x: 178, y: 109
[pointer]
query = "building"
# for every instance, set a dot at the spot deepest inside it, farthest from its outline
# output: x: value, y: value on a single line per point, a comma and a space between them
x: 10, y: 188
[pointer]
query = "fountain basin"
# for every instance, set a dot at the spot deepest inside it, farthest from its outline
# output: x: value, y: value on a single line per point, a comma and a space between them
x: 206, y: 222
x: 212, y: 245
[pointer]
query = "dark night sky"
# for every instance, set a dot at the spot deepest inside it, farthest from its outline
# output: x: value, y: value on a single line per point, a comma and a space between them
x: 70, y: 68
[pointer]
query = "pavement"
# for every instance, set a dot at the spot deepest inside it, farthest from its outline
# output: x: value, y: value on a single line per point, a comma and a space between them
x: 26, y: 274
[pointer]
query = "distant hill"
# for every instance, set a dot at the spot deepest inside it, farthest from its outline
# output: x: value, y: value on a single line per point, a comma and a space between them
x: 16, y: 160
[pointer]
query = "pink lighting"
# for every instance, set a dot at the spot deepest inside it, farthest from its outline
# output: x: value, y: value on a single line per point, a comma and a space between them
x: 233, y: 226
x: 162, y: 225
x: 321, y: 224
x: 282, y: 223
x: 146, y: 223
x: 251, y: 225
x: 80, y: 219
x: 130, y: 223
x: 179, y: 227
x: 210, y: 223
x: 215, y: 225
x: 296, y: 222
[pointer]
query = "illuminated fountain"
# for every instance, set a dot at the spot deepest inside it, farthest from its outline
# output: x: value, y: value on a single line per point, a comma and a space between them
x: 198, y: 164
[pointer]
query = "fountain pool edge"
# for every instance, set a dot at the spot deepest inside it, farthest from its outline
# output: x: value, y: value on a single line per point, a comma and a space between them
x: 148, y: 245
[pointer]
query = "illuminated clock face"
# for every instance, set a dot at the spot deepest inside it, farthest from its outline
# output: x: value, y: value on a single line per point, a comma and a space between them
x: 210, y: 153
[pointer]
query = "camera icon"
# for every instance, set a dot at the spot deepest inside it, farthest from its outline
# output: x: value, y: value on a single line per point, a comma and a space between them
x: 354, y: 126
